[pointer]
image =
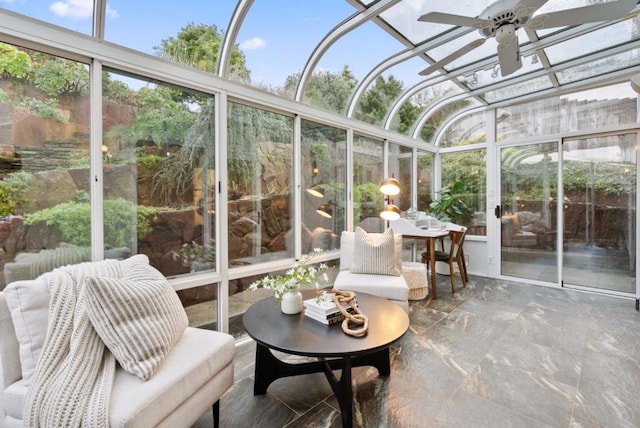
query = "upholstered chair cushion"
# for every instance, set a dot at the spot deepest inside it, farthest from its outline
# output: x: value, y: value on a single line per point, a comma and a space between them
x: 374, y: 254
x: 139, y: 317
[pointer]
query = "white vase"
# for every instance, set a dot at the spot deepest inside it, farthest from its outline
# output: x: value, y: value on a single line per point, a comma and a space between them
x: 291, y: 302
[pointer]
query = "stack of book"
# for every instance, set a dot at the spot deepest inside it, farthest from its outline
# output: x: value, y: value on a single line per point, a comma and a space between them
x: 324, y: 310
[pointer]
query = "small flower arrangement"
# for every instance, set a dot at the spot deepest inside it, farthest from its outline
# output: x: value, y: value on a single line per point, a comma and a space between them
x: 302, y: 274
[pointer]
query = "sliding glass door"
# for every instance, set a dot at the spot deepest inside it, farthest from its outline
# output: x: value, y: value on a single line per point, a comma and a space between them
x: 599, y: 175
x: 528, y: 219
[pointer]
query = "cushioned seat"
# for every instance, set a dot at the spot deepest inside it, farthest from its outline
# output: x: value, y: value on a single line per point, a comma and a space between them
x: 191, y: 377
x: 392, y: 287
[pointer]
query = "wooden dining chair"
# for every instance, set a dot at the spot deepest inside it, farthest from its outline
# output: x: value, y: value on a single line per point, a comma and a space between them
x: 454, y: 255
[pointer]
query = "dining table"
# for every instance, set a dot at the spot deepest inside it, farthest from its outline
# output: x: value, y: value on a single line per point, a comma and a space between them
x: 429, y: 231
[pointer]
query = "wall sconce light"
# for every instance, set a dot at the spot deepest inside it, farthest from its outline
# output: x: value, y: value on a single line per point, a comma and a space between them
x: 314, y: 168
x: 390, y: 186
x: 326, y: 209
x: 316, y: 191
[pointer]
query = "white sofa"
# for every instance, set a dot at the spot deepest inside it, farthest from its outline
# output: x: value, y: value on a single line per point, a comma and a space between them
x: 390, y: 287
x: 194, y: 374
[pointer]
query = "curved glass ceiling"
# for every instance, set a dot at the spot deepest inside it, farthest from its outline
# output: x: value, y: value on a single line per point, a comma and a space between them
x: 356, y: 57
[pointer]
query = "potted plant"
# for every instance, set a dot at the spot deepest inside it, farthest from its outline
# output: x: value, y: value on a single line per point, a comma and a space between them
x: 286, y: 288
x: 450, y: 206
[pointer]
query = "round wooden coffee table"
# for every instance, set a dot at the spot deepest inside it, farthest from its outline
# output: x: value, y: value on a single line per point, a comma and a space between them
x: 299, y: 335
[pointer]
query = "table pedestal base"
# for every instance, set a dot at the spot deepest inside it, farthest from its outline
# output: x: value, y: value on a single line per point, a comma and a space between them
x: 269, y: 368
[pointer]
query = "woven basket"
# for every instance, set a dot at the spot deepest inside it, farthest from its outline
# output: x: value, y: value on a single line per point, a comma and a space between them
x: 416, y: 276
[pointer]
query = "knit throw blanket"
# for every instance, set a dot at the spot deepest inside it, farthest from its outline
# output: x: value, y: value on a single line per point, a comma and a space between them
x: 74, y: 376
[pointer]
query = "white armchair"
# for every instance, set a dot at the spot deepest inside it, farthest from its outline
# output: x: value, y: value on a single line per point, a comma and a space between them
x: 192, y: 377
x: 391, y: 287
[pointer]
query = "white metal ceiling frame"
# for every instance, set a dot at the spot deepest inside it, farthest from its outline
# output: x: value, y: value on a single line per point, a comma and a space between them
x: 330, y: 38
x: 529, y: 49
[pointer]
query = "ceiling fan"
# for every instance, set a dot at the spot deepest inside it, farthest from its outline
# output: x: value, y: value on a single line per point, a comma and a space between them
x: 504, y: 17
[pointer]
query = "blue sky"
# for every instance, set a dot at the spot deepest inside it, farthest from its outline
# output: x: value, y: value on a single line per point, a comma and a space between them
x: 277, y: 36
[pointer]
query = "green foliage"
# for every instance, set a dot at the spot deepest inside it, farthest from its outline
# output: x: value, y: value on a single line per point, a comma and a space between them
x: 47, y: 109
x: 331, y: 91
x: 199, y: 46
x: 13, y: 62
x: 12, y: 191
x: 73, y: 220
x: 58, y: 76
x: 118, y: 91
x: 375, y: 104
x: 450, y: 205
x: 247, y: 126
x: 368, y: 201
x: 6, y: 207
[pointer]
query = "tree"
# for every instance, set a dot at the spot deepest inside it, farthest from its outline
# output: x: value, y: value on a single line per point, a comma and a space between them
x: 199, y: 46
x: 375, y: 104
x: 327, y: 90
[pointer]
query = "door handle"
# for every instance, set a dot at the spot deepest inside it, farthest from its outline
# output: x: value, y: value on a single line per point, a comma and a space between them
x: 497, y: 211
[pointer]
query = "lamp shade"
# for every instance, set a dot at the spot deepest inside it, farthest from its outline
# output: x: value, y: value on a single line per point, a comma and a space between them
x: 316, y: 191
x: 390, y: 186
x: 325, y: 210
x: 390, y: 212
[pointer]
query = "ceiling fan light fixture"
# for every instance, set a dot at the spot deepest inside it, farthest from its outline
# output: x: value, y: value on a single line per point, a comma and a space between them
x: 494, y: 72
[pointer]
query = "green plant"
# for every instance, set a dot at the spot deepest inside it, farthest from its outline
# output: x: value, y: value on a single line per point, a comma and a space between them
x: 47, y: 109
x: 12, y: 190
x: 191, y: 252
x: 450, y: 206
x: 302, y: 274
x: 73, y: 221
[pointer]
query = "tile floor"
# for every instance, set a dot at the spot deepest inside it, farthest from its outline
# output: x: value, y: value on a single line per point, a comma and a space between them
x: 496, y: 354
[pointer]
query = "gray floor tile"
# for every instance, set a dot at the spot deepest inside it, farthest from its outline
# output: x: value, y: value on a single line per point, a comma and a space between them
x: 494, y: 354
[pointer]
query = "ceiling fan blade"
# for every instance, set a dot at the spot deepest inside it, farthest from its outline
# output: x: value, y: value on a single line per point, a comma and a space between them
x: 452, y: 57
x: 459, y: 20
x: 581, y: 15
x: 509, y: 57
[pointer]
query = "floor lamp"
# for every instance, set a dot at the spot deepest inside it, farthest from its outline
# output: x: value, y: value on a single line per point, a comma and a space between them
x: 390, y: 187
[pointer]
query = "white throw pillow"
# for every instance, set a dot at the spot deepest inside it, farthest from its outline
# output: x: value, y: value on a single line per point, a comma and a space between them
x: 346, y: 249
x: 139, y: 317
x: 374, y: 254
x: 28, y: 302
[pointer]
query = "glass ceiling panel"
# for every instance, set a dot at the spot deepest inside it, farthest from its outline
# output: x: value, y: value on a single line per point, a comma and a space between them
x: 272, y: 54
x: 70, y: 14
x: 597, y: 40
x: 554, y: 6
x: 404, y: 16
x: 518, y: 89
x: 143, y: 24
x: 599, y: 67
x: 361, y: 50
x: 407, y: 71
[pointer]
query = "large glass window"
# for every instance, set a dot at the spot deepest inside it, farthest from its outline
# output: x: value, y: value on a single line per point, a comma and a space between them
x: 323, y: 181
x: 468, y: 168
x: 401, y: 167
x: 469, y: 129
x: 580, y: 111
x: 367, y: 176
x: 158, y: 153
x: 599, y: 241
x: 44, y: 162
x: 260, y: 185
x: 425, y: 178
